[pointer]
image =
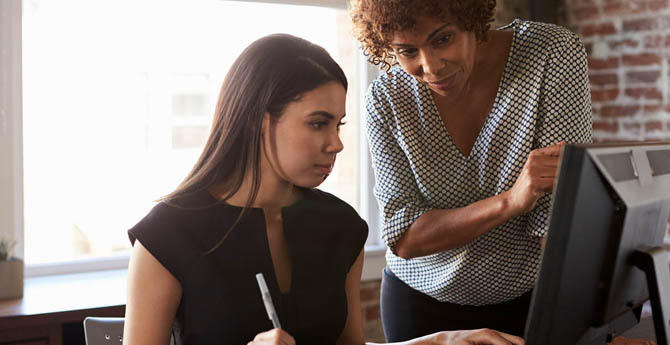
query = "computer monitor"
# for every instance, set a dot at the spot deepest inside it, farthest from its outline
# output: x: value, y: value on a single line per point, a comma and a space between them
x: 603, y: 254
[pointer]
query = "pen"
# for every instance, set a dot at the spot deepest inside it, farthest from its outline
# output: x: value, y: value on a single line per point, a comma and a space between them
x: 267, y: 300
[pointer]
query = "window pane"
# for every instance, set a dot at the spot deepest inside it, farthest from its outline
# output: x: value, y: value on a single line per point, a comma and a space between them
x: 118, y: 99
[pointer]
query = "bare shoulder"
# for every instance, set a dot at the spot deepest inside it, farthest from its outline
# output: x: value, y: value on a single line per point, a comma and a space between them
x: 153, y: 296
x: 144, y: 266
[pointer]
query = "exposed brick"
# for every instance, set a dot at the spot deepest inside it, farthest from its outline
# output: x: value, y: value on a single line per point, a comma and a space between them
x: 369, y: 293
x: 619, y: 44
x: 632, y: 126
x: 372, y: 312
x: 604, y: 95
x: 612, y: 127
x: 645, y: 92
x: 652, y: 109
x: 642, y: 76
x: 603, y: 79
x: 585, y: 13
x: 624, y: 7
x: 643, y: 24
x: 653, y: 126
x: 655, y: 5
x: 641, y: 59
x: 588, y: 46
x: 626, y: 110
x: 598, y: 29
x: 653, y: 41
x: 609, y: 63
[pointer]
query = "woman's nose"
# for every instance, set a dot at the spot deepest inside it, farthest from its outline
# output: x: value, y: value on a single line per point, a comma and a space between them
x: 431, y: 64
x: 335, y: 144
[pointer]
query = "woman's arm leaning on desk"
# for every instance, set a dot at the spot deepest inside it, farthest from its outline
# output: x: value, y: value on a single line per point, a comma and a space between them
x: 155, y: 306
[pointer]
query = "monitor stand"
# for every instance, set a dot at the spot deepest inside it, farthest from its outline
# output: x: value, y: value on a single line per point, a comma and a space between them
x: 654, y: 263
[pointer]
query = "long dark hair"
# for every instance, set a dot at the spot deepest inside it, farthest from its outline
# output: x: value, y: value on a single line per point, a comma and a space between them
x: 269, y: 74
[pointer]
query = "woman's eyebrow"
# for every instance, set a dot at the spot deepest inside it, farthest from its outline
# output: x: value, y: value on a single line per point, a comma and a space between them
x: 432, y: 34
x: 321, y: 113
x: 325, y: 114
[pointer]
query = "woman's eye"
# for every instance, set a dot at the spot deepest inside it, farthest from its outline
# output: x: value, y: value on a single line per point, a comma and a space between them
x: 407, y: 52
x: 318, y: 125
x: 444, y: 39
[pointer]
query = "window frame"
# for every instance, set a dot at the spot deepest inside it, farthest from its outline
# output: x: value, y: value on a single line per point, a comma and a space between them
x: 11, y: 152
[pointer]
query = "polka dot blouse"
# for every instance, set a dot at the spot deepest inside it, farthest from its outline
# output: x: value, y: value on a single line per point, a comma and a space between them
x: 543, y: 98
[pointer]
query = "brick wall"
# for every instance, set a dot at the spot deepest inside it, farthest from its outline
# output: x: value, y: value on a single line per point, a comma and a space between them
x: 372, y: 323
x: 628, y: 45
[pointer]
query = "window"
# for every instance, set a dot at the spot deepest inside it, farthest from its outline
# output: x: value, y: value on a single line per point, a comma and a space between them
x: 117, y: 102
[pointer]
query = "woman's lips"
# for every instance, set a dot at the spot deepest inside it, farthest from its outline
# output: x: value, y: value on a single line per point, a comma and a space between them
x: 444, y: 84
x: 324, y: 169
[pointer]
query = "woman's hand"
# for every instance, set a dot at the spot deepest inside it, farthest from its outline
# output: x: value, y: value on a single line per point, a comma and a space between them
x: 478, y: 337
x: 536, y: 178
x: 275, y: 336
x: 629, y: 341
x: 470, y: 337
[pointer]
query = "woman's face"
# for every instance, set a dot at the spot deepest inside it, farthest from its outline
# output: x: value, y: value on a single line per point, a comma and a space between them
x: 438, y: 53
x: 301, y: 146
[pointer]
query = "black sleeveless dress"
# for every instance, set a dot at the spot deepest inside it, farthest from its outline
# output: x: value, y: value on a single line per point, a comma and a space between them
x: 221, y: 302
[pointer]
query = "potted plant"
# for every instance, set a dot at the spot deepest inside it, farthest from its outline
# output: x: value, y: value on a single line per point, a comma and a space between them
x: 11, y: 271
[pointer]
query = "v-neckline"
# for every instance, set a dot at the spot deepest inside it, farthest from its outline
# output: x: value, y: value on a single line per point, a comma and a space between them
x: 266, y: 242
x: 269, y: 254
x: 495, y: 104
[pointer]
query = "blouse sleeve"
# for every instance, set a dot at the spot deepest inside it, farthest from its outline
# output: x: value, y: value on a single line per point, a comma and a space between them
x: 397, y: 193
x: 160, y: 233
x: 565, y: 112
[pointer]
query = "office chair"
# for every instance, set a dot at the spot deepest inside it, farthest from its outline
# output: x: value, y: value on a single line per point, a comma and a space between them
x: 105, y: 331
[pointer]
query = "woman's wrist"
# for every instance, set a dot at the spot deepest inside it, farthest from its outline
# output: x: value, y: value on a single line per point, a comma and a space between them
x: 509, y: 208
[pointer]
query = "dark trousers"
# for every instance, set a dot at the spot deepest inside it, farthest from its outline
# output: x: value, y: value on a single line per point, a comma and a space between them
x: 407, y: 313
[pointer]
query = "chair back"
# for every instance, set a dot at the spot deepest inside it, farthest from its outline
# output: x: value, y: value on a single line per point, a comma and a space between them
x: 103, y: 330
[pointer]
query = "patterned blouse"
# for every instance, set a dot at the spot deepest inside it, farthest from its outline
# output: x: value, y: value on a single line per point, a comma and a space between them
x: 543, y: 98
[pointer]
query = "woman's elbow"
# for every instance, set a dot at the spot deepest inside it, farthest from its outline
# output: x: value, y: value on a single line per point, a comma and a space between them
x: 403, y: 250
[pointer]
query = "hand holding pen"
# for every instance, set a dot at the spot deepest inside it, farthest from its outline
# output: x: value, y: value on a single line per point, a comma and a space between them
x: 276, y: 335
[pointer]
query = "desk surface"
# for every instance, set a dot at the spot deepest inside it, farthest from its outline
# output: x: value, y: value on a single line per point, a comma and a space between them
x: 71, y: 297
x: 66, y: 297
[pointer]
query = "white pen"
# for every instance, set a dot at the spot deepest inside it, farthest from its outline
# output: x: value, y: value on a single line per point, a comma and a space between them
x: 267, y: 300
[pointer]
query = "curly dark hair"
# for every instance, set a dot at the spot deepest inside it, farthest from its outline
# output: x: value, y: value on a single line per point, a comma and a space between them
x: 375, y: 21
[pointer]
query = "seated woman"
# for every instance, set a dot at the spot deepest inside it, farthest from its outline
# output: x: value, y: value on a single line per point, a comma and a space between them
x: 249, y: 206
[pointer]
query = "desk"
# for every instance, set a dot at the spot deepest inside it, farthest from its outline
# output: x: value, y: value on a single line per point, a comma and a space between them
x: 53, y: 307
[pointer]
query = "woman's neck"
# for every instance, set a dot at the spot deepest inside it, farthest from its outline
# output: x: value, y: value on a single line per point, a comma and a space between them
x: 272, y: 193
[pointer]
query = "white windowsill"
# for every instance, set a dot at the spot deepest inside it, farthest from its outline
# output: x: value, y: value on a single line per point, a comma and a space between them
x: 372, y: 268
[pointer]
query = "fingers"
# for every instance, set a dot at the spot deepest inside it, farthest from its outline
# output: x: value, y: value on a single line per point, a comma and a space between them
x: 491, y: 337
x: 275, y: 336
x: 553, y: 150
x: 512, y: 338
x: 630, y: 341
x: 538, y: 158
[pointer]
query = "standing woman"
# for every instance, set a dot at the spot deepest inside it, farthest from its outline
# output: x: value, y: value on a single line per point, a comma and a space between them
x: 250, y: 206
x: 465, y: 131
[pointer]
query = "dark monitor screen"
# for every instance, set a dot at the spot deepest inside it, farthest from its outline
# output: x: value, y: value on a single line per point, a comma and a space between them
x: 610, y: 201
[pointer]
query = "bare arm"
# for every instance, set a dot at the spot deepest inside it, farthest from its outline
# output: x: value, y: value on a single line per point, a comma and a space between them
x: 152, y: 297
x: 352, y: 334
x: 440, y: 230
